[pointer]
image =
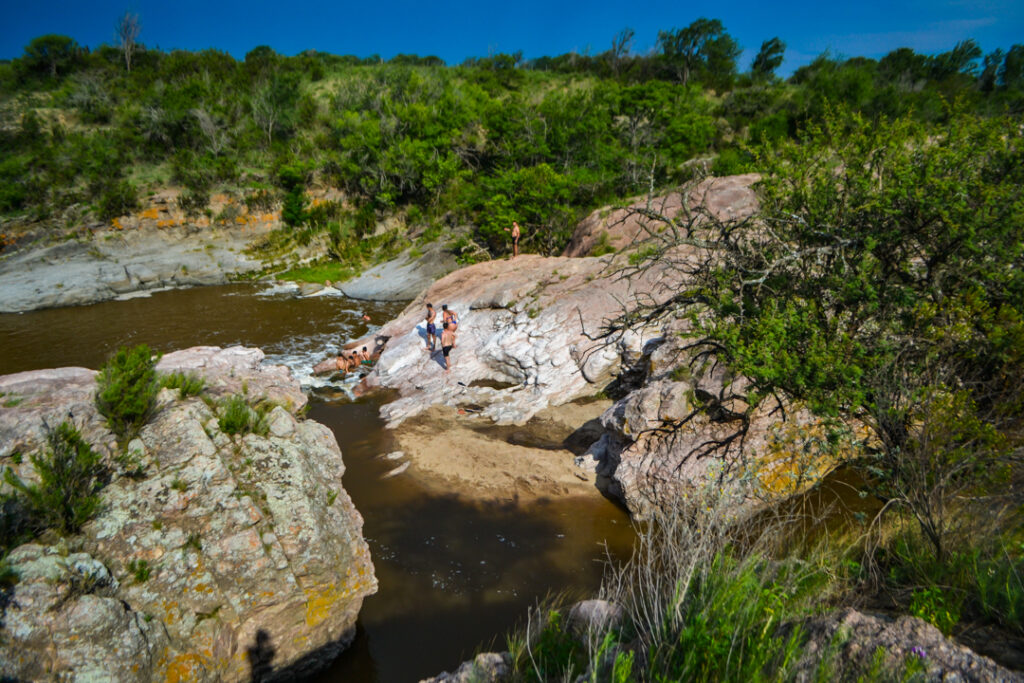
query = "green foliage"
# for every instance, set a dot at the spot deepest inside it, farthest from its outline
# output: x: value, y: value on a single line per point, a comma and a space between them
x: 554, y: 653
x: 935, y: 606
x: 127, y: 386
x: 140, y: 570
x: 237, y: 417
x: 70, y: 478
x: 118, y: 199
x: 187, y: 384
x: 768, y: 59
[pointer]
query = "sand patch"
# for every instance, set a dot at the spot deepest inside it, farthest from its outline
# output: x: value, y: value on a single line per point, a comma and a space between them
x: 473, y: 458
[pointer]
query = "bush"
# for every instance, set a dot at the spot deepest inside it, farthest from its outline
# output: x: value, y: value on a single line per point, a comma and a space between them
x: 126, y: 390
x: 119, y: 199
x: 187, y: 384
x: 70, y: 478
x: 237, y: 417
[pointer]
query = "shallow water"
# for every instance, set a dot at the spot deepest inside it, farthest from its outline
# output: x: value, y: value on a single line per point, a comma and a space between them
x: 454, y: 577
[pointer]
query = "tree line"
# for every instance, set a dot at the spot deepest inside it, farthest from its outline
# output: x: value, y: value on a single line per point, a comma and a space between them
x: 86, y: 132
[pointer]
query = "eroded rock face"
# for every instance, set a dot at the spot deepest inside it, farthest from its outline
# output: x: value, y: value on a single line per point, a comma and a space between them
x: 729, y: 198
x: 528, y: 323
x: 689, y: 425
x: 226, y: 557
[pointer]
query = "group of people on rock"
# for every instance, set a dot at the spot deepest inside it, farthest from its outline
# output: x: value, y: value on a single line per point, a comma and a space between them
x: 449, y: 326
x: 350, y: 361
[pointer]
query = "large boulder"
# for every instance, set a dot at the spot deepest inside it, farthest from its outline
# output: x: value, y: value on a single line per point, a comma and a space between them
x: 688, y: 424
x: 527, y: 337
x: 401, y: 278
x: 728, y: 198
x: 215, y: 556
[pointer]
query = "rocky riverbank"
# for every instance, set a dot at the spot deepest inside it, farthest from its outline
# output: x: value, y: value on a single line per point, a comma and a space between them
x: 214, y: 556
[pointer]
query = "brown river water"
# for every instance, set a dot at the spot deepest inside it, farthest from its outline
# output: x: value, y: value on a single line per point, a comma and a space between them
x: 454, y: 577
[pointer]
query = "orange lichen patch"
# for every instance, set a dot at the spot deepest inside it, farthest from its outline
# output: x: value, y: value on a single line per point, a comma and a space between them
x: 241, y: 220
x: 269, y: 217
x: 186, y: 667
x: 151, y: 213
x: 167, y: 222
x: 799, y: 455
x: 116, y: 223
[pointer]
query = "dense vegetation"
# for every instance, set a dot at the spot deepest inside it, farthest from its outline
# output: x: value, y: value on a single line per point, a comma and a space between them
x: 86, y: 133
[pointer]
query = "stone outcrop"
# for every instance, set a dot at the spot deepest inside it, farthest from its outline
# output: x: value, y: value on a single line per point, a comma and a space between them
x: 401, y: 278
x: 214, y: 557
x: 688, y: 424
x: 851, y: 641
x: 729, y: 198
x: 526, y: 337
x: 117, y: 263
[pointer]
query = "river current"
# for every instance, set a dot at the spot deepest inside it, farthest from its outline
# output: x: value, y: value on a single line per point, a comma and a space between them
x: 454, y: 577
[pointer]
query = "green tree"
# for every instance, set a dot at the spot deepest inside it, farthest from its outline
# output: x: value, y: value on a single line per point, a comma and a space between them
x: 882, y: 282
x: 51, y: 54
x: 768, y: 59
x: 703, y: 50
x: 70, y: 478
x: 1011, y: 75
x: 293, y: 181
x: 126, y: 390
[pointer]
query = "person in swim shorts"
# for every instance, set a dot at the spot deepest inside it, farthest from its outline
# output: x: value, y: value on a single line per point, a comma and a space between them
x: 447, y: 342
x: 431, y: 330
x: 515, y: 239
x: 452, y: 319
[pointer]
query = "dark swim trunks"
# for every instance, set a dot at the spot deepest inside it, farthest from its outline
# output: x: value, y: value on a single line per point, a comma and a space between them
x: 431, y: 329
x: 446, y: 350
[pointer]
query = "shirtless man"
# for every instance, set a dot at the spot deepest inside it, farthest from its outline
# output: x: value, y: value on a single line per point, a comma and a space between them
x: 431, y: 330
x: 515, y: 238
x: 447, y: 342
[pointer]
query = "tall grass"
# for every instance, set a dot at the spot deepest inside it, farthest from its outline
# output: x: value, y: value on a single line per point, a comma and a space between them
x: 703, y: 598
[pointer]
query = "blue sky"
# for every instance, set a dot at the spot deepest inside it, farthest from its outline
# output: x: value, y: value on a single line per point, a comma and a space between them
x: 456, y: 29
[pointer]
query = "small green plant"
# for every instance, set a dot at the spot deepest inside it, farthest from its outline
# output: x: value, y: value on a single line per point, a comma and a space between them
x: 938, y: 609
x: 127, y: 387
x: 533, y: 312
x: 12, y: 401
x: 70, y: 479
x: 237, y: 417
x: 331, y: 497
x: 179, y: 485
x: 140, y: 570
x: 193, y: 541
x: 131, y: 464
x: 187, y: 384
x: 16, y: 457
x: 602, y: 246
x: 157, y: 525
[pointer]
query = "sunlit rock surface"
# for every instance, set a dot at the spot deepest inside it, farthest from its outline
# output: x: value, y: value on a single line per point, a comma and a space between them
x: 527, y: 337
x: 728, y: 198
x: 253, y: 555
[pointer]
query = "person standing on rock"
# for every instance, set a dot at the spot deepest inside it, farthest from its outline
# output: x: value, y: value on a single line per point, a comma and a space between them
x: 515, y: 238
x: 451, y: 319
x: 431, y: 330
x: 447, y: 342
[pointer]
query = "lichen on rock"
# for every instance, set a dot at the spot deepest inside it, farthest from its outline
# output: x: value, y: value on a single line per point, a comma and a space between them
x: 218, y: 547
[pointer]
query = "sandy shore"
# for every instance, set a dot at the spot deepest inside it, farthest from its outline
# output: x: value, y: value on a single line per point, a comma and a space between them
x: 452, y: 452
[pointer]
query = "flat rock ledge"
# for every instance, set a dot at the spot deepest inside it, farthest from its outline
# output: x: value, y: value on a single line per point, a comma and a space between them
x: 215, y: 556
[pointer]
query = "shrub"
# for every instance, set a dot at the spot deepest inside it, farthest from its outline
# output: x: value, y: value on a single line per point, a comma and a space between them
x: 126, y: 390
x: 70, y: 478
x: 140, y: 570
x: 119, y: 199
x: 187, y: 385
x: 237, y: 417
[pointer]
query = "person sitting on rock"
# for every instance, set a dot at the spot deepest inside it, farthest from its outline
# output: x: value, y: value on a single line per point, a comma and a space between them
x: 431, y: 330
x: 447, y: 342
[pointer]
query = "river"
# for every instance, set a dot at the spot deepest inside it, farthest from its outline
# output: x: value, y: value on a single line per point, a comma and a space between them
x: 454, y: 577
